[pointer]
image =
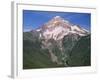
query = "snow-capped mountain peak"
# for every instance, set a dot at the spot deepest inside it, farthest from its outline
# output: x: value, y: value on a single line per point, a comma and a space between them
x: 57, y: 28
x: 57, y: 17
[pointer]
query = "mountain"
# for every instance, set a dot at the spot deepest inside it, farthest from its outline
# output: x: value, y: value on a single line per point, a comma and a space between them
x: 80, y: 54
x: 57, y: 28
x: 57, y: 43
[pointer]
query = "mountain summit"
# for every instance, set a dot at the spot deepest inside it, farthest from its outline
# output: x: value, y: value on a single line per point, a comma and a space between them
x: 56, y: 43
x: 57, y: 28
x: 56, y: 32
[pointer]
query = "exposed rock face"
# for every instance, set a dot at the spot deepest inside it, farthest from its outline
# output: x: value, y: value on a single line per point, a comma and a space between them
x: 57, y: 43
x: 53, y: 34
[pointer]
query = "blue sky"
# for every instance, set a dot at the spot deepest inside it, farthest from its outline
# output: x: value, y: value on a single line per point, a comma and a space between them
x: 34, y: 19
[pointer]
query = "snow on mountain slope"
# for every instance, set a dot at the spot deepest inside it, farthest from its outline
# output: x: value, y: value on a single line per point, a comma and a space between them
x: 59, y: 36
x: 57, y: 28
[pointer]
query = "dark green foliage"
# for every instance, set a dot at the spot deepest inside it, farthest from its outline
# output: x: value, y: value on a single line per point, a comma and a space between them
x: 80, y: 54
x: 69, y: 41
x: 34, y: 56
x: 77, y: 49
x: 29, y: 36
